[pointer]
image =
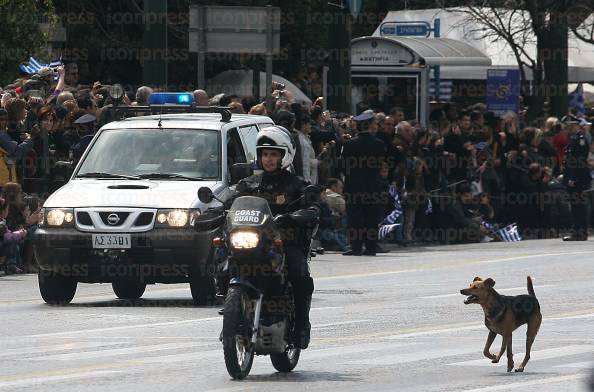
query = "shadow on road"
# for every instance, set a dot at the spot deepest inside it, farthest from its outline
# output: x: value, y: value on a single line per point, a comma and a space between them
x: 138, y: 303
x: 306, y: 376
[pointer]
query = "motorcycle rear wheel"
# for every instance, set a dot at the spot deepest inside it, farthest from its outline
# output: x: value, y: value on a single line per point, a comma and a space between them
x: 237, y: 322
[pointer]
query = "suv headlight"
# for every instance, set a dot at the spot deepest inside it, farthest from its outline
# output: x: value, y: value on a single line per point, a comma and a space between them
x: 176, y: 218
x: 244, y: 239
x: 63, y: 217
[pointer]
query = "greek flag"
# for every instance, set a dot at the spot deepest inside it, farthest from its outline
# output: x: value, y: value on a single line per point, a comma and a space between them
x: 389, y: 222
x: 576, y: 100
x: 34, y: 65
x: 509, y: 233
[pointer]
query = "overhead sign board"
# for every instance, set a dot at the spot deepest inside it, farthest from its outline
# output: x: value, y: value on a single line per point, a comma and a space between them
x: 233, y: 29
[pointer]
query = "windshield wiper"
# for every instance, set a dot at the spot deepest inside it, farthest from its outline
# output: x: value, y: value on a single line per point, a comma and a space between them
x: 106, y: 175
x: 169, y: 175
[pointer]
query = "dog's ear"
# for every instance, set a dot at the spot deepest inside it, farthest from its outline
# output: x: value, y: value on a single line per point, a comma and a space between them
x: 476, y: 278
x: 489, y: 283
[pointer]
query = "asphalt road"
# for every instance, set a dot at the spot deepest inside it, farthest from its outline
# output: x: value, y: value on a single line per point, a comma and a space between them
x: 395, y: 322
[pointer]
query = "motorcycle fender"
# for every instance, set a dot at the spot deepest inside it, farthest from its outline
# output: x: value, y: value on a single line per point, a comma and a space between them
x: 253, y: 292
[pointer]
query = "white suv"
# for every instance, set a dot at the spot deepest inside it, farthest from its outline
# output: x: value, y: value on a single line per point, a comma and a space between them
x: 126, y: 215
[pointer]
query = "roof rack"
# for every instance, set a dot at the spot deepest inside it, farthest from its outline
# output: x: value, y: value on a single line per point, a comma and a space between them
x: 131, y: 111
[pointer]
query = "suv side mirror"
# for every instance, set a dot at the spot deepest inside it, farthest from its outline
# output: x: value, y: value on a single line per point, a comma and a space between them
x: 205, y: 195
x: 240, y: 171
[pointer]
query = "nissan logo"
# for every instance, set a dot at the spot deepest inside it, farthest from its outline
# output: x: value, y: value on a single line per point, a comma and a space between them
x: 113, y: 219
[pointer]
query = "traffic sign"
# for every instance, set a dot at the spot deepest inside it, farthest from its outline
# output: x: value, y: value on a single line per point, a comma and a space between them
x: 355, y: 7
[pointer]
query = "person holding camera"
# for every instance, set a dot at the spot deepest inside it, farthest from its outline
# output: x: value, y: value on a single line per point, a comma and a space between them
x: 11, y: 150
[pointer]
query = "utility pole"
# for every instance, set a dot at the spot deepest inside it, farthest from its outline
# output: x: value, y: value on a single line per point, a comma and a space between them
x: 339, y: 62
x: 154, y: 58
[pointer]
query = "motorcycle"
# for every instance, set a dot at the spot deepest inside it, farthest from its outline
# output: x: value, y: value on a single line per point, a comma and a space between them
x: 259, y: 311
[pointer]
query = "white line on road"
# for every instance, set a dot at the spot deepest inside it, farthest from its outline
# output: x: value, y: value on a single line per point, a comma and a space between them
x: 508, y: 290
x: 535, y: 256
x: 578, y: 365
x: 340, y: 323
x: 40, y: 380
x: 150, y: 325
x: 521, y: 384
x: 535, y: 355
x: 400, y: 358
x: 54, y: 347
x: 116, y: 352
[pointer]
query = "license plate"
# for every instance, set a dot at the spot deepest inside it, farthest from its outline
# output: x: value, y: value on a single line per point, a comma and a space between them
x: 111, y: 241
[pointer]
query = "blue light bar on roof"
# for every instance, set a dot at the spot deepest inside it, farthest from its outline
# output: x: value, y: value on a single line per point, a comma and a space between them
x: 171, y: 99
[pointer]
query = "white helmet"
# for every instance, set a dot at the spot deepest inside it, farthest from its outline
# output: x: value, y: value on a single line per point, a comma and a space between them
x: 276, y: 137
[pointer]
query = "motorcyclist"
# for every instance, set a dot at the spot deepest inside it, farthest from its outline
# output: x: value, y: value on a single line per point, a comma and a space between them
x: 284, y: 192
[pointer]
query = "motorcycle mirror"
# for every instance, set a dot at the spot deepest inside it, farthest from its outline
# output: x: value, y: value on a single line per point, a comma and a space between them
x: 205, y: 195
x: 312, y: 193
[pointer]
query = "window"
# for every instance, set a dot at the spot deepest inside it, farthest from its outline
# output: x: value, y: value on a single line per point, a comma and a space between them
x: 249, y: 134
x: 137, y: 152
x: 235, y: 153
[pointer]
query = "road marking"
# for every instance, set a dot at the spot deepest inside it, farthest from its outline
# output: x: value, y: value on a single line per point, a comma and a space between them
x: 436, y: 331
x: 39, y: 380
x: 578, y: 365
x: 49, y: 348
x: 535, y: 355
x: 150, y: 325
x: 364, y: 275
x: 400, y: 358
x: 521, y: 384
x: 538, y: 255
x: 340, y: 323
x: 511, y: 289
x: 116, y: 352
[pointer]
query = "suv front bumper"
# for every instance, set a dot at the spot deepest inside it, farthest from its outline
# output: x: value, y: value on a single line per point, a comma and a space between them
x: 156, y: 256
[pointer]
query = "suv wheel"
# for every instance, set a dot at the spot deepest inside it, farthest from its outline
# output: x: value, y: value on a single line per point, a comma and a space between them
x: 128, y: 289
x: 56, y: 289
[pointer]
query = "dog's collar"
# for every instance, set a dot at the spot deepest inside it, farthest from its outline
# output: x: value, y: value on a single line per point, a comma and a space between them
x: 498, y: 310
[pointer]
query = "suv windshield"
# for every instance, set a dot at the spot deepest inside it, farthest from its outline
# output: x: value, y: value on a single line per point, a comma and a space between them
x: 153, y: 153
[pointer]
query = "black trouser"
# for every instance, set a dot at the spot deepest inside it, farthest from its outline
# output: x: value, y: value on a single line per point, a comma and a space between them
x: 303, y: 288
x: 362, y: 222
x: 579, y: 212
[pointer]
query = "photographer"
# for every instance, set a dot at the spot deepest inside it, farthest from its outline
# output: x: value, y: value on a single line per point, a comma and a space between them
x: 12, y: 151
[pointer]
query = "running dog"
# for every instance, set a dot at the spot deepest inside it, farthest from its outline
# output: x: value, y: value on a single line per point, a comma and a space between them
x: 503, y: 314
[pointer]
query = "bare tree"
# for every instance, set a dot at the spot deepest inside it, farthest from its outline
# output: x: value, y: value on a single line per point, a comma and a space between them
x: 548, y: 23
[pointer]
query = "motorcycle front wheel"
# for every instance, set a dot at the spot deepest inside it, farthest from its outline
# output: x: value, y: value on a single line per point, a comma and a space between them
x: 237, y: 325
x: 286, y: 361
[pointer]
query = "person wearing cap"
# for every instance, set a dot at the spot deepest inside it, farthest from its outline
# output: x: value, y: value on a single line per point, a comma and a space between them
x: 577, y: 178
x: 86, y: 125
x: 361, y: 159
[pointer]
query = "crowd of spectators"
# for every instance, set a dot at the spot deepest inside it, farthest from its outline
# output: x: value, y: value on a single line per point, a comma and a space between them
x: 467, y: 170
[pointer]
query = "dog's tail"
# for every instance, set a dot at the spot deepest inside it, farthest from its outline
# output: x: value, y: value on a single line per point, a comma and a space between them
x: 530, y: 287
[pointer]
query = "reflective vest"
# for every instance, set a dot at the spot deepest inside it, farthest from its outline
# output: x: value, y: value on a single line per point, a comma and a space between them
x: 7, y: 168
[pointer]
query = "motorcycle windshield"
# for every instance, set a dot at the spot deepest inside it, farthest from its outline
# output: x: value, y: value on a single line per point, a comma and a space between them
x: 249, y: 211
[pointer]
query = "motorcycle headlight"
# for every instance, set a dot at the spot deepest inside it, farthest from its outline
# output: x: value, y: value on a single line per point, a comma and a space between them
x: 244, y: 239
x: 176, y: 218
x: 58, y: 217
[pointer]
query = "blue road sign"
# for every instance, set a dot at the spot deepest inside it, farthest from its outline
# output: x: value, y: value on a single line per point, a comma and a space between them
x: 355, y: 7
x: 406, y: 29
x: 416, y: 30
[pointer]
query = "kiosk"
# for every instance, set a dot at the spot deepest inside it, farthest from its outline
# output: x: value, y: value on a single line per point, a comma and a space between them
x: 392, y: 72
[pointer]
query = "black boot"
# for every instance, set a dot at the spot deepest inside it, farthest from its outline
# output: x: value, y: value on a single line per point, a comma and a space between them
x: 302, y: 330
x: 302, y: 292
